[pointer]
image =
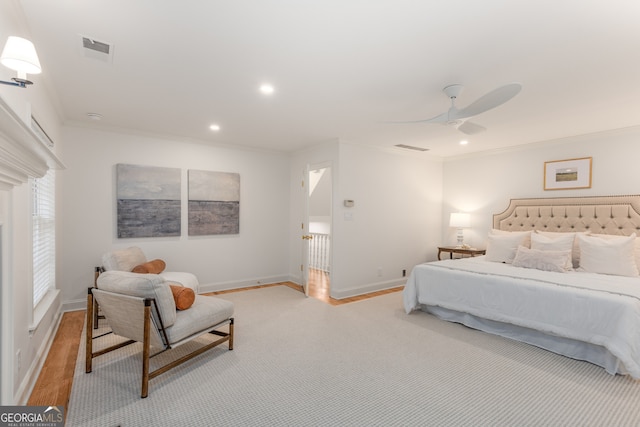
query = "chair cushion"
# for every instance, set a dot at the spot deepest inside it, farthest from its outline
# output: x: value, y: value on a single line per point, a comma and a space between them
x: 143, y: 286
x: 188, y: 280
x: 205, y: 312
x: 123, y: 259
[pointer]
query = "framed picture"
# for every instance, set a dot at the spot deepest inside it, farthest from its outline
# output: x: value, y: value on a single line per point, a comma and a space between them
x: 214, y: 203
x: 148, y: 200
x: 567, y: 174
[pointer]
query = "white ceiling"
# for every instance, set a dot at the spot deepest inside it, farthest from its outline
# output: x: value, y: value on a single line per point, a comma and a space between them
x: 342, y: 67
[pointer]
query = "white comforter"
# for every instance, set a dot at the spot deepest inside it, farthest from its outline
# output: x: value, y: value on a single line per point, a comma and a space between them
x: 599, y: 309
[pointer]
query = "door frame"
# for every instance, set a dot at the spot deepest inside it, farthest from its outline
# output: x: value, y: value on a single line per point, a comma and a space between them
x: 305, y: 219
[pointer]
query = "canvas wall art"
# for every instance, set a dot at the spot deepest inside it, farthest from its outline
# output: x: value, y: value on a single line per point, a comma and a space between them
x: 148, y: 199
x: 214, y: 203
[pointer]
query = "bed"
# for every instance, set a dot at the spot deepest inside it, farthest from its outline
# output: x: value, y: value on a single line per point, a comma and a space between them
x: 579, y: 297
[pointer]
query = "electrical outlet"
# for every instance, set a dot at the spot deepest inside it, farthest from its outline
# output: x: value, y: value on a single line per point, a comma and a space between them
x: 404, y: 273
x: 379, y: 272
x: 18, y: 360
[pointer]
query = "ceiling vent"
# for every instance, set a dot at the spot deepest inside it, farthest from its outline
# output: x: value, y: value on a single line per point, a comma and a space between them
x: 92, y: 48
x: 411, y: 147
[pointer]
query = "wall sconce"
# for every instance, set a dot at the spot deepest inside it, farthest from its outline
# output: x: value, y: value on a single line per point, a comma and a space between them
x: 20, y: 55
x: 460, y: 221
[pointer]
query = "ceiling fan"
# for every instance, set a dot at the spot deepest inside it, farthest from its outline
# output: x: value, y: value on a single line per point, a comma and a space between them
x: 458, y: 118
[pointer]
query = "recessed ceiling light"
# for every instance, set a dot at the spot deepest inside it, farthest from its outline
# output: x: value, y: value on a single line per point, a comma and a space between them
x: 214, y: 127
x: 94, y: 116
x: 267, y: 89
x: 464, y: 142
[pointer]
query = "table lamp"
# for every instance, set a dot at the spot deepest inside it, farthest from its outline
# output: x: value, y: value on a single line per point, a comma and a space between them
x: 460, y: 220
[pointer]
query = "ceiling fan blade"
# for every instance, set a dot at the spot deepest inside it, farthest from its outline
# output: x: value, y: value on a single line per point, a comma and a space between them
x: 491, y: 100
x: 470, y: 128
x: 441, y: 118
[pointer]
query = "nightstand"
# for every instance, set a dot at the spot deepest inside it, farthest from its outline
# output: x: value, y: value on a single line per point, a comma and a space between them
x: 462, y: 251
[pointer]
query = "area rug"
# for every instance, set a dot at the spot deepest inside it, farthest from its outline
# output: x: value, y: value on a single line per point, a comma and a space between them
x: 300, y: 362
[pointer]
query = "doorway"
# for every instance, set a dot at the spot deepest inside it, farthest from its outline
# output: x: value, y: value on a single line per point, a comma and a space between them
x: 319, y: 195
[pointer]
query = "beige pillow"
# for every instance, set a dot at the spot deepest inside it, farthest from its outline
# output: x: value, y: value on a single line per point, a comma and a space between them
x: 123, y: 259
x: 503, y: 247
x: 526, y: 234
x: 614, y: 256
x: 558, y: 261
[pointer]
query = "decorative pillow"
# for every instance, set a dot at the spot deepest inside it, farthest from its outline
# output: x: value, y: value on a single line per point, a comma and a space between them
x: 608, y: 256
x: 558, y: 261
x: 151, y: 267
x: 123, y: 259
x: 184, y: 297
x: 575, y: 252
x: 526, y: 234
x: 503, y: 247
x: 556, y: 243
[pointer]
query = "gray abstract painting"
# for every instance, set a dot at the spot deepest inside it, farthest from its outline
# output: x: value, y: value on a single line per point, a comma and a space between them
x: 214, y: 203
x: 148, y: 200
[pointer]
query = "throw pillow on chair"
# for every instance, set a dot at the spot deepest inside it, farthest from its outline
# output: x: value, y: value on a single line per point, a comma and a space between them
x: 184, y: 297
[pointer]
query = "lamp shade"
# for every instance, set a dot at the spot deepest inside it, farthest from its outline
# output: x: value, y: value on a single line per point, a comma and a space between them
x: 460, y: 220
x: 20, y: 55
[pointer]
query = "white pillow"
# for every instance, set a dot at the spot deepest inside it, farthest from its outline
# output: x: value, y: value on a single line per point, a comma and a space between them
x: 575, y: 252
x: 614, y: 237
x: 123, y: 259
x: 608, y: 256
x: 526, y: 234
x: 558, y: 261
x: 555, y: 243
x: 503, y: 247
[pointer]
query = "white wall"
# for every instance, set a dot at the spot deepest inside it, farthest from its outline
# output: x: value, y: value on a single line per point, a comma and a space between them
x: 483, y: 184
x: 320, y: 199
x: 395, y: 222
x: 88, y: 211
x: 320, y: 204
x: 16, y: 247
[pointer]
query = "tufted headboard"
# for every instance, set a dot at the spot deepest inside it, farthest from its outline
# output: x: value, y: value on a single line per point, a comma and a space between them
x: 601, y: 215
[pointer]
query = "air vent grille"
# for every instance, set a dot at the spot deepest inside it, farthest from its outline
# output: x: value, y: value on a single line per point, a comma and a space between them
x: 94, y: 49
x: 411, y: 147
x: 87, y: 43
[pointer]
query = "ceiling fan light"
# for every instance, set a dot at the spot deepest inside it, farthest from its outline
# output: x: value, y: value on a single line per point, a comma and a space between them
x: 20, y: 55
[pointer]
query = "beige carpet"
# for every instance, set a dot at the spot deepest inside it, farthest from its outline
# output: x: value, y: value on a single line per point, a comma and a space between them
x: 300, y: 362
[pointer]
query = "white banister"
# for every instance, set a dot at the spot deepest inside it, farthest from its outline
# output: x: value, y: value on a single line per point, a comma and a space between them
x: 319, y: 249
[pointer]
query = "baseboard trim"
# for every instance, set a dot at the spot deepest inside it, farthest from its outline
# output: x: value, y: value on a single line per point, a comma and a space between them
x: 26, y: 386
x: 366, y: 289
x: 239, y: 284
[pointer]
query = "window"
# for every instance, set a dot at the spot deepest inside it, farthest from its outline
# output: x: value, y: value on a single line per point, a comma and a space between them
x: 44, y: 230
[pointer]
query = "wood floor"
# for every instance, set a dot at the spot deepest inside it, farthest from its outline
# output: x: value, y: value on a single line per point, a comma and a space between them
x: 53, y: 386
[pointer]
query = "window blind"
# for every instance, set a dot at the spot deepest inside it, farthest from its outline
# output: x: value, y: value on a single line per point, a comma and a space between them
x: 44, y: 245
